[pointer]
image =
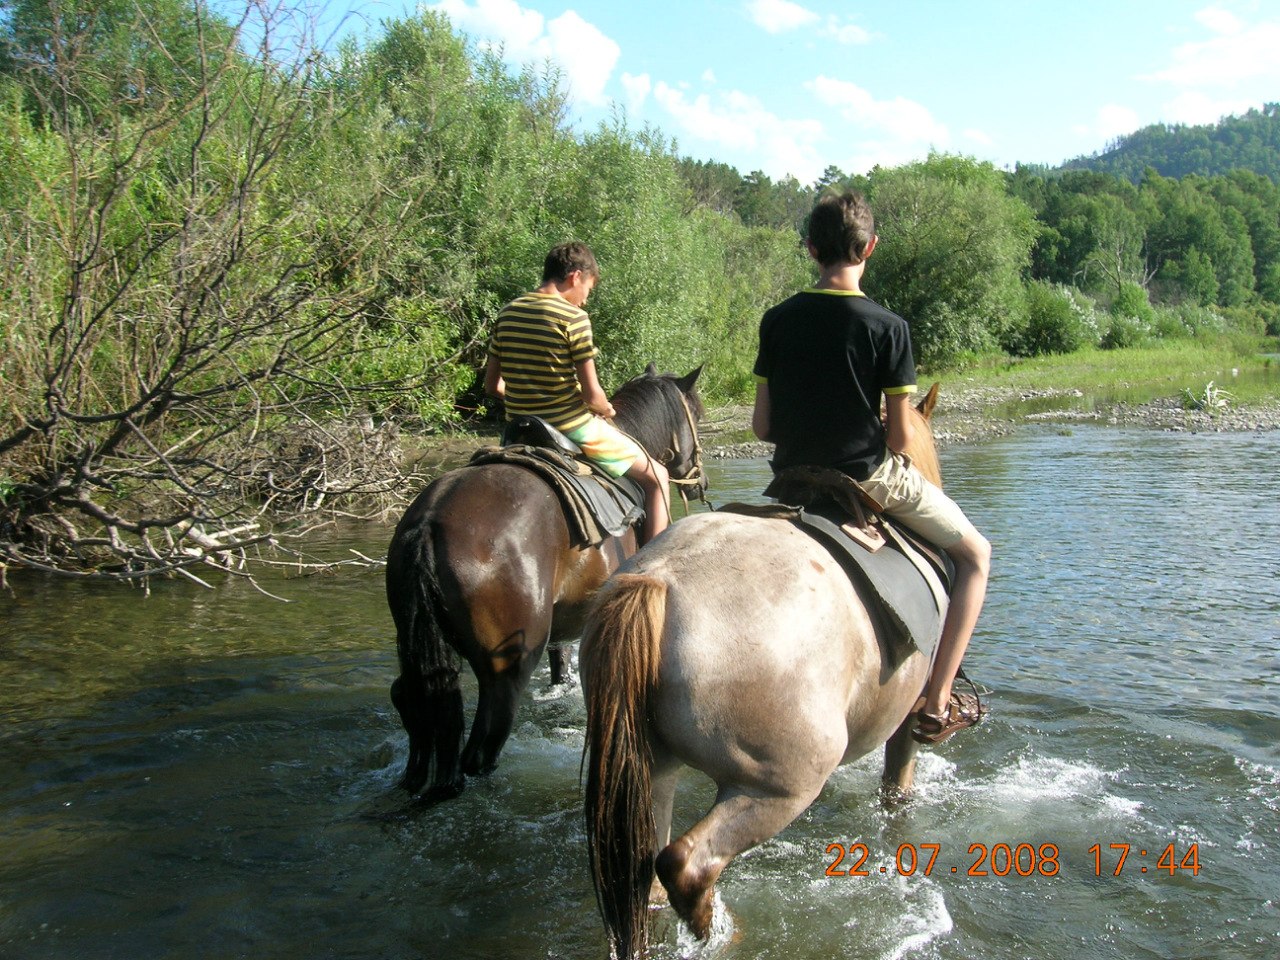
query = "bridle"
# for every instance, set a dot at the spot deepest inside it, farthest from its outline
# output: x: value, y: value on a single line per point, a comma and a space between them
x: 694, y: 476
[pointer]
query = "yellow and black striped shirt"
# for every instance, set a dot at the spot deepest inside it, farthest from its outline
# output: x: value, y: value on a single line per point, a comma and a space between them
x: 539, y: 339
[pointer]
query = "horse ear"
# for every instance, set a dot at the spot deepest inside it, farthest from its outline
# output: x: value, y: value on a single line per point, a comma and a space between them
x: 929, y: 402
x: 686, y: 382
x: 651, y: 370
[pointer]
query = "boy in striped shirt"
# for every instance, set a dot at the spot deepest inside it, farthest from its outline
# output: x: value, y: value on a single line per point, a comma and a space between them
x: 542, y: 363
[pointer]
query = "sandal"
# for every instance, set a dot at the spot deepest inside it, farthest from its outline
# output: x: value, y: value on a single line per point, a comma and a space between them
x: 963, y: 710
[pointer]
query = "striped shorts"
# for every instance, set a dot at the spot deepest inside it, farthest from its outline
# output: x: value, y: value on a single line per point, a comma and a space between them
x: 605, y: 444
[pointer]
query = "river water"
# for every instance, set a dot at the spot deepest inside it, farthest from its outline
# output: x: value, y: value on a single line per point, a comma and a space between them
x: 209, y: 773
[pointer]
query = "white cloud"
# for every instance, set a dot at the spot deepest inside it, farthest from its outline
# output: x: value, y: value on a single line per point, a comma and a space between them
x: 585, y: 54
x: 903, y: 120
x: 637, y: 90
x: 708, y: 75
x: 778, y: 16
x: 1114, y: 120
x: 1218, y: 20
x: 1195, y: 108
x: 849, y: 33
x: 978, y: 136
x: 737, y: 122
x: 1237, y: 53
x: 502, y: 20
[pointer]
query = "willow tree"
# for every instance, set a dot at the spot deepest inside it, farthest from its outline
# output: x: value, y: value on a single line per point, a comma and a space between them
x: 179, y: 283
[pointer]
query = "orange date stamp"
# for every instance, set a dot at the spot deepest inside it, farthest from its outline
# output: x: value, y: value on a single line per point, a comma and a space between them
x: 1007, y: 859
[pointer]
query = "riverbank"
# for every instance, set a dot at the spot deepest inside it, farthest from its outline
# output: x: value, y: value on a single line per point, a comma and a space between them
x: 980, y: 413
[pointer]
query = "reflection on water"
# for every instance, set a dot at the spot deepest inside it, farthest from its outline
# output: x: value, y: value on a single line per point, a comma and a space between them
x: 210, y: 773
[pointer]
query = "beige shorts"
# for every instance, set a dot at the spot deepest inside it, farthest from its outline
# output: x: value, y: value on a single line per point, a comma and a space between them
x: 904, y: 494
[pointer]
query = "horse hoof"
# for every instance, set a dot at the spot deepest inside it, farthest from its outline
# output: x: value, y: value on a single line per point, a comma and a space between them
x: 894, y: 797
x: 472, y: 767
x: 439, y: 793
x: 690, y: 891
x: 658, y: 895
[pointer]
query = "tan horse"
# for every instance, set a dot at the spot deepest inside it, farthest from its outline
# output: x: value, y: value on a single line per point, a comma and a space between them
x: 737, y: 646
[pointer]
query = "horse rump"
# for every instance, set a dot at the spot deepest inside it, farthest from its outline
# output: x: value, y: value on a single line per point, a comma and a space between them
x: 618, y: 660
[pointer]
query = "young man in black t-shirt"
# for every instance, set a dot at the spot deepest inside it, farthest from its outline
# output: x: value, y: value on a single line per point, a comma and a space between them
x: 827, y: 355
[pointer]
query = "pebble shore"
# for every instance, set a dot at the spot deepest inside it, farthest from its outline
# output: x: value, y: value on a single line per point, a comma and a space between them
x: 967, y: 415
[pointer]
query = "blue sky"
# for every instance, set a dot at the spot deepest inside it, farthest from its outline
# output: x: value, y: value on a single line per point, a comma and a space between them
x: 791, y: 86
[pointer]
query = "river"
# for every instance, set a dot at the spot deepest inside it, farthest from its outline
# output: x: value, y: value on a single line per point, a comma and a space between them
x: 209, y: 773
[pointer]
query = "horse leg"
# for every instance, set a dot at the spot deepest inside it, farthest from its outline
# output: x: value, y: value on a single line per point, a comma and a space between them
x: 433, y: 717
x: 737, y: 821
x: 665, y: 777
x: 558, y: 657
x: 900, y: 753
x: 501, y: 685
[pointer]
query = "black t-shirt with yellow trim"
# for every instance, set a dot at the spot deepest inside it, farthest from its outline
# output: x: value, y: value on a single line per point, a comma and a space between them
x: 539, y: 339
x: 827, y: 356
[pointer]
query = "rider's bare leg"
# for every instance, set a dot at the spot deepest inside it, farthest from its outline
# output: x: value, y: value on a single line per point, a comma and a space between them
x: 972, y: 559
x: 653, y: 479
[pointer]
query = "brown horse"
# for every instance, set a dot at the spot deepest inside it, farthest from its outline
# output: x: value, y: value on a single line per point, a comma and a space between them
x: 735, y: 645
x: 482, y: 565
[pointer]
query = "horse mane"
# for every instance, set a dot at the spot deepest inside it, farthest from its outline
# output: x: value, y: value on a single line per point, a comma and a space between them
x: 650, y: 409
x: 922, y: 450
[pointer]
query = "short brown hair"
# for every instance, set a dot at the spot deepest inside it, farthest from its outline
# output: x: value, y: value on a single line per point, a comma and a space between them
x: 841, y: 228
x: 568, y: 257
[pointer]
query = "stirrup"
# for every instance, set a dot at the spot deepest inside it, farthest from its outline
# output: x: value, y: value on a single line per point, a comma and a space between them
x: 963, y: 710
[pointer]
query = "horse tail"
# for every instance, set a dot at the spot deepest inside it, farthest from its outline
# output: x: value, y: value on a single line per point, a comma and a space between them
x: 428, y: 692
x: 619, y: 665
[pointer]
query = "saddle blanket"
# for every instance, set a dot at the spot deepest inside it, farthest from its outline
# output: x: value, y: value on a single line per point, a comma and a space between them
x: 910, y: 590
x: 596, y: 505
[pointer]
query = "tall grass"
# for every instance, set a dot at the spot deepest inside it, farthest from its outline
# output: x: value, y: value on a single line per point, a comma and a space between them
x: 1181, y: 364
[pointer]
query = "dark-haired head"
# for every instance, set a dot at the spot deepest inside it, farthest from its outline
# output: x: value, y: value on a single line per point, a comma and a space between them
x: 565, y: 259
x: 841, y: 229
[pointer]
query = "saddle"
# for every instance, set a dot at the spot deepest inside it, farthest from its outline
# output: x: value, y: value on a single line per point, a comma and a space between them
x: 596, y: 505
x: 908, y: 578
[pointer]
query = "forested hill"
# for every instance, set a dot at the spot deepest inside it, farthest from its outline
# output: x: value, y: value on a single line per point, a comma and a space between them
x: 1249, y: 142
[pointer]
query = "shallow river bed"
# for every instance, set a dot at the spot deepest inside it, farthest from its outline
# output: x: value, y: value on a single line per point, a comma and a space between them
x: 211, y: 773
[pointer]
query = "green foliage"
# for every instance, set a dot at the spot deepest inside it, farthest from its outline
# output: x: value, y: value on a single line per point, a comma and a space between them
x: 1266, y: 313
x: 692, y: 251
x: 953, y: 246
x: 148, y: 54
x: 1211, y: 399
x: 741, y: 271
x: 1248, y: 142
x: 1131, y: 302
x: 1125, y: 332
x: 1058, y: 320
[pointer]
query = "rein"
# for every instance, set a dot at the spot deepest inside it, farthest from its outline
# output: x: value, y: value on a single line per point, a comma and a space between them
x: 694, y: 477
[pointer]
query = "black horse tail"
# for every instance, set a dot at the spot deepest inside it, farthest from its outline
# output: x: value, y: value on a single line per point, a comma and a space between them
x: 618, y: 660
x: 428, y: 692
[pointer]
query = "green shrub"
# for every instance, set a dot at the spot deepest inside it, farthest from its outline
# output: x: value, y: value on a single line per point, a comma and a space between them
x: 1270, y: 314
x: 1056, y: 321
x: 1125, y: 332
x: 1254, y: 318
x: 1131, y: 302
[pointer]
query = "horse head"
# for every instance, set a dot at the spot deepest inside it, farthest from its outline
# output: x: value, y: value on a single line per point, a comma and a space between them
x: 661, y: 411
x: 922, y: 450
